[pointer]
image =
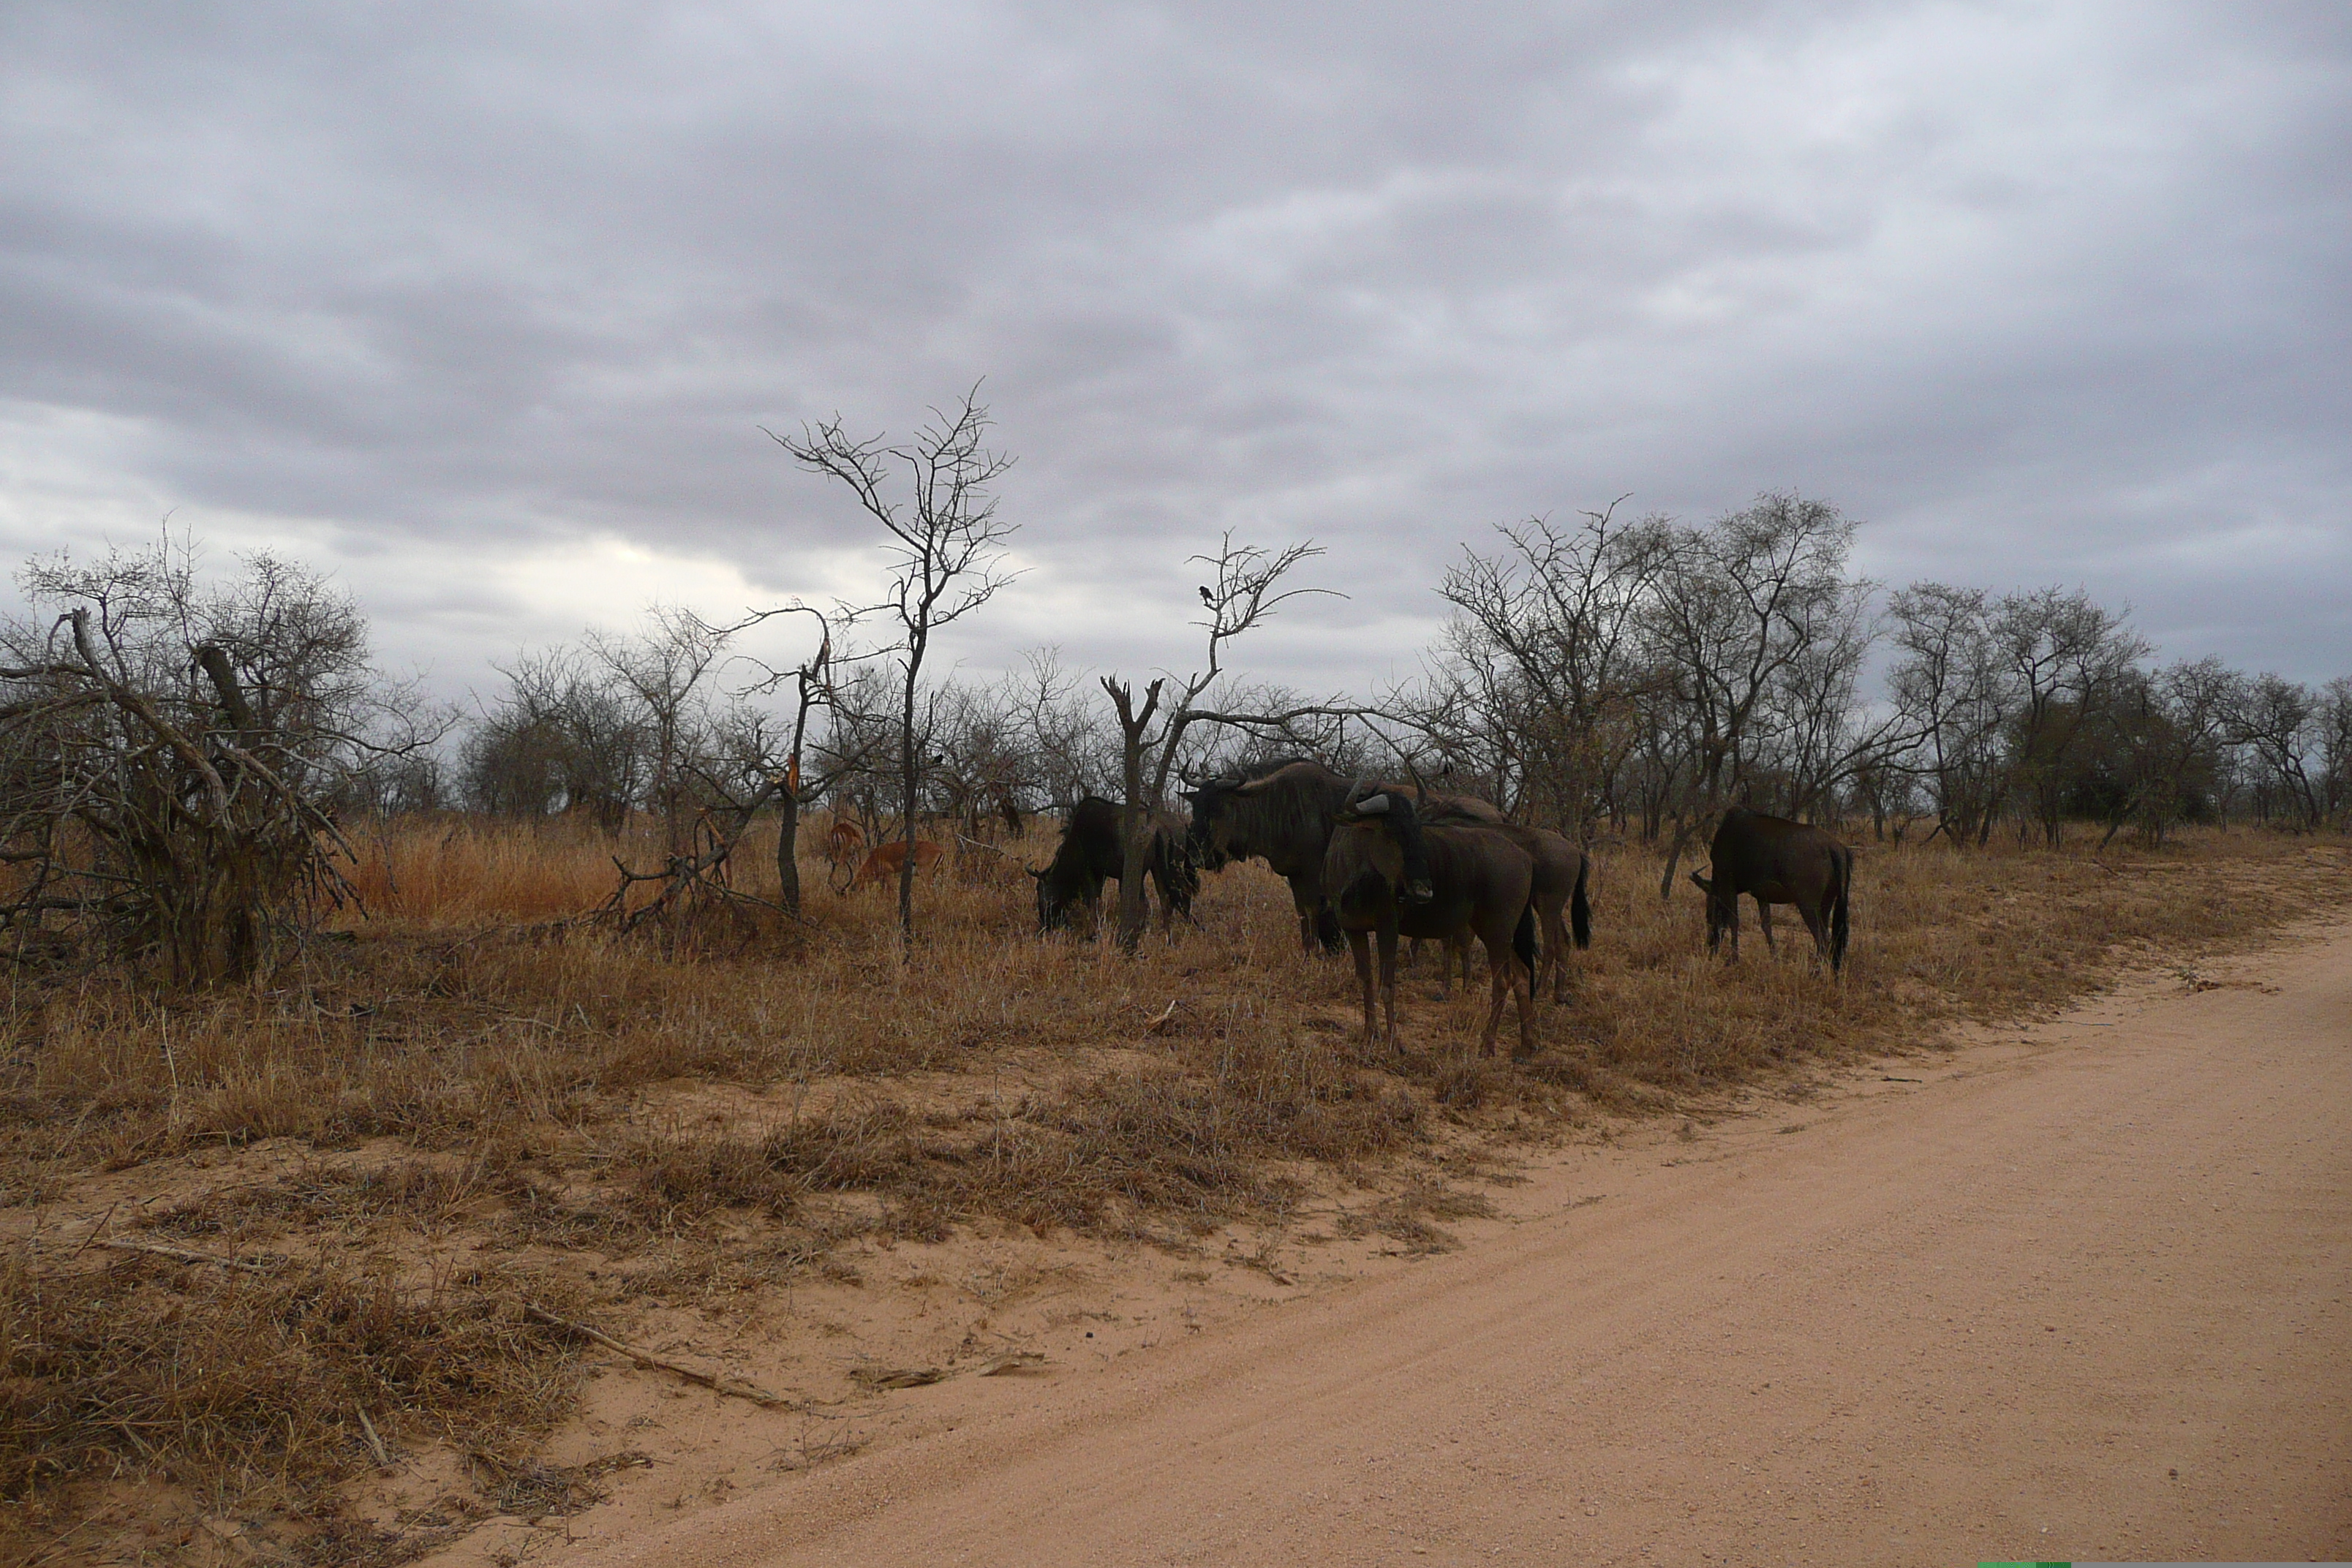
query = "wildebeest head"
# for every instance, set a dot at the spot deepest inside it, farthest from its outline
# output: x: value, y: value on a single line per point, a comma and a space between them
x: 1052, y: 903
x: 1213, y: 827
x: 1406, y: 863
x: 1721, y: 907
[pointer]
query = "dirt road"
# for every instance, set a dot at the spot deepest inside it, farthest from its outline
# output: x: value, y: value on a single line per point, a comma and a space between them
x: 2079, y: 1293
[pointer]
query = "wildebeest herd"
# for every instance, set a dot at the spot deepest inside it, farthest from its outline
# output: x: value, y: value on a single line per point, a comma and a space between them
x: 1368, y: 861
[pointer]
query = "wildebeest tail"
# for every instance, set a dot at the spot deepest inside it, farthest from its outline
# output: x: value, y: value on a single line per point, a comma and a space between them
x: 1580, y: 907
x: 1838, y: 910
x: 1523, y: 939
x: 1326, y: 928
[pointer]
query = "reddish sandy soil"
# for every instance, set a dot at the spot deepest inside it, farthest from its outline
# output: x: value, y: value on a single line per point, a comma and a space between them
x: 2080, y: 1293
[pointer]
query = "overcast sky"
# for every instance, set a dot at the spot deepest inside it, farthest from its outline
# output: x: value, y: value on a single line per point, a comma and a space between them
x: 482, y: 305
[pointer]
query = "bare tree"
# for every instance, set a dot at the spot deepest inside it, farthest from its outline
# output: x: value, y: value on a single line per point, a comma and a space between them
x: 662, y: 671
x: 2065, y: 653
x: 1948, y: 684
x: 1069, y: 756
x: 170, y: 752
x: 560, y: 737
x: 946, y: 545
x: 807, y: 770
x: 1247, y: 589
x: 2156, y: 744
x: 2335, y: 750
x: 1740, y: 605
x: 1543, y: 659
x: 2277, y: 721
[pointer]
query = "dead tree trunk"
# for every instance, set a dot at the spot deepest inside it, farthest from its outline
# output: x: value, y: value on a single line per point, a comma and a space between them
x: 1135, y: 823
x: 787, y: 837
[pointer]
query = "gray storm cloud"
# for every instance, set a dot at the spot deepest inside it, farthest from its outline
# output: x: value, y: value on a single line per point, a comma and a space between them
x: 2046, y: 292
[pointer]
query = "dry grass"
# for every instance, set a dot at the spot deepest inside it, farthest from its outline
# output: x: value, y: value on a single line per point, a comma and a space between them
x: 474, y: 1071
x: 247, y: 1392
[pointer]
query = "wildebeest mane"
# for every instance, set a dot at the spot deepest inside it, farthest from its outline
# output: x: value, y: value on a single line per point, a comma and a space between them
x: 1296, y: 807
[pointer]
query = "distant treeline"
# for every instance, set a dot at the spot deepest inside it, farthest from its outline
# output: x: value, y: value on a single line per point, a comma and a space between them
x: 1621, y: 677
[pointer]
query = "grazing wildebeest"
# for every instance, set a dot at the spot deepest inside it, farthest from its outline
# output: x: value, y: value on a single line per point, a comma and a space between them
x: 1777, y: 861
x: 1563, y: 909
x: 1390, y: 875
x: 1284, y: 817
x: 883, y: 865
x: 1090, y: 853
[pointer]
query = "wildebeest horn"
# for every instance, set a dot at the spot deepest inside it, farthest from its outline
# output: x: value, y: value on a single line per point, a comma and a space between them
x: 1360, y: 802
x: 1704, y: 885
x: 1420, y: 787
x: 1032, y: 871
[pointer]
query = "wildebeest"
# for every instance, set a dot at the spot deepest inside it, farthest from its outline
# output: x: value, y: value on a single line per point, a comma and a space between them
x: 1563, y: 909
x: 1090, y: 853
x: 883, y: 865
x: 1391, y: 875
x: 1284, y: 817
x: 1777, y: 861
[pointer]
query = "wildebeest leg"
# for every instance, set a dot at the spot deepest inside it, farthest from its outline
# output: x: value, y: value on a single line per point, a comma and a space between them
x: 1360, y: 942
x: 1816, y: 919
x: 1388, y: 979
x: 1523, y: 986
x: 1458, y: 946
x: 1764, y: 923
x: 1502, y: 967
x: 1554, y: 961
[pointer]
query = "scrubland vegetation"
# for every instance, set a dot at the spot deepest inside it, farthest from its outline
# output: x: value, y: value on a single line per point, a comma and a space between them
x: 480, y: 1101
x: 353, y: 1048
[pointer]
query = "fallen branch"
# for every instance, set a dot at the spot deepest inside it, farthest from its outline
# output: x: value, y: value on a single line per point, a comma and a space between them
x: 187, y: 1255
x: 879, y: 1378
x: 710, y: 1380
x: 374, y: 1443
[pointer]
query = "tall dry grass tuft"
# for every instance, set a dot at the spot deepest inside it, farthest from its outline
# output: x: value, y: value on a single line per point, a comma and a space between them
x: 458, y: 871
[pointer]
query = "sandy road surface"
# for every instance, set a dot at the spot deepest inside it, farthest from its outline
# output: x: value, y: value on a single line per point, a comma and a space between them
x: 2081, y: 1294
